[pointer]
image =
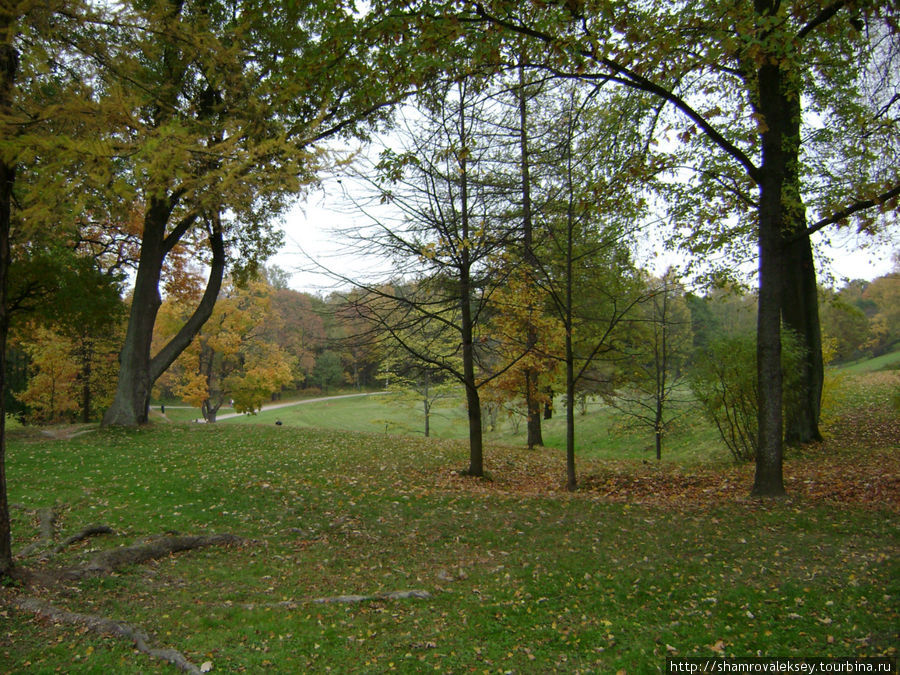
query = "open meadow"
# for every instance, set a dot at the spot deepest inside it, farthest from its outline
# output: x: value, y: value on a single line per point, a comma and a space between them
x: 363, y: 551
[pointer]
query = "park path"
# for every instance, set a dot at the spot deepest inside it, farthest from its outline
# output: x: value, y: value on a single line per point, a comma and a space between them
x: 288, y: 404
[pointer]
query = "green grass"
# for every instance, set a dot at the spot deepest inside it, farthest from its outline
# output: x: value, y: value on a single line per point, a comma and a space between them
x: 889, y: 361
x: 369, y: 414
x: 600, y: 431
x: 521, y: 582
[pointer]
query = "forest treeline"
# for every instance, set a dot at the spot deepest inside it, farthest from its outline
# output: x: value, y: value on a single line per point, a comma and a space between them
x: 266, y: 340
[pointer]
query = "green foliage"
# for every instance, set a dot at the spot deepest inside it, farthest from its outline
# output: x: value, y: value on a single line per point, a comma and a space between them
x: 62, y: 286
x: 658, y: 351
x: 328, y: 370
x: 862, y: 318
x: 724, y: 380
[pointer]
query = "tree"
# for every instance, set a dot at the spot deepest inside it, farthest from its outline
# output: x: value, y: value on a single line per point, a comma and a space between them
x: 586, y: 267
x: 71, y: 292
x: 884, y: 325
x: 31, y: 35
x: 532, y: 369
x: 657, y: 363
x: 416, y: 382
x: 444, y: 239
x: 226, y: 103
x: 8, y: 67
x: 52, y: 392
x: 296, y: 326
x: 728, y: 310
x: 530, y: 336
x: 328, y: 370
x: 230, y: 359
x: 758, y: 155
x: 844, y: 325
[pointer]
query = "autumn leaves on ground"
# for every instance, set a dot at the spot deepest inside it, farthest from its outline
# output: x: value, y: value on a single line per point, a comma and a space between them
x: 326, y: 550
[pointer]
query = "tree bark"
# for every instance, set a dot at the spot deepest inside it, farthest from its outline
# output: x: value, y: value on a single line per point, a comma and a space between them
x: 781, y: 120
x: 87, y: 355
x: 426, y: 403
x: 473, y: 400
x: 768, y: 480
x: 130, y: 406
x: 571, y: 478
x: 8, y: 67
x: 137, y: 369
x: 800, y: 313
x: 532, y: 404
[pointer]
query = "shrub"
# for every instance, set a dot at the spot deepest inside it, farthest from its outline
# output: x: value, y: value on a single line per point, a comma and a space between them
x: 724, y: 381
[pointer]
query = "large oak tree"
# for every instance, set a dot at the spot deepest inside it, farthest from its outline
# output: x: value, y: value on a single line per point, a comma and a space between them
x: 223, y: 107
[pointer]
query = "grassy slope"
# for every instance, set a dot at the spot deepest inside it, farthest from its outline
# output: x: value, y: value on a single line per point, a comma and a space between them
x: 601, y: 432
x: 644, y: 562
x: 524, y: 578
x: 889, y: 361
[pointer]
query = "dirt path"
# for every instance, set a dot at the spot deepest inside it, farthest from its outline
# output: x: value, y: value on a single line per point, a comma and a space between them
x: 288, y: 404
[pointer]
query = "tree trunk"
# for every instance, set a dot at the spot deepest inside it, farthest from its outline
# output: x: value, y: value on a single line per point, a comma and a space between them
x: 9, y: 61
x: 209, y: 412
x: 131, y: 404
x: 473, y: 400
x: 426, y: 404
x: 780, y: 144
x: 535, y: 433
x: 87, y: 355
x: 571, y: 480
x: 800, y: 313
x: 769, y: 480
x: 137, y: 370
x: 467, y: 327
x: 532, y: 404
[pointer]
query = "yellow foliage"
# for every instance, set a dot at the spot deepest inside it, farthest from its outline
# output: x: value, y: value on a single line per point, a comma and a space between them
x: 192, y: 389
x: 522, y: 311
x: 52, y: 392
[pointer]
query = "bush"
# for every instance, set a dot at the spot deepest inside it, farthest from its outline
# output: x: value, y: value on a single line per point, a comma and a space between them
x: 724, y: 381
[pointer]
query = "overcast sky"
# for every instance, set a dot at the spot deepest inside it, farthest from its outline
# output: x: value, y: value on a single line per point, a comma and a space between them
x: 310, y: 231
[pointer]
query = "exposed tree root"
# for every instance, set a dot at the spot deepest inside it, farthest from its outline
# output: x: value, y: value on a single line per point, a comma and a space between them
x: 415, y: 593
x: 47, y: 522
x: 89, y: 531
x: 393, y: 595
x: 111, y: 560
x: 106, y: 562
x: 104, y: 626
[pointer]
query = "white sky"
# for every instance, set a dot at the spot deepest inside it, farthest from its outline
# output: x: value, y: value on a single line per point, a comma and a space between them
x: 310, y: 233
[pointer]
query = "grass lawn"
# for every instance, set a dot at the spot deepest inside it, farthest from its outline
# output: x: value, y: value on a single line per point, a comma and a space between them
x: 889, y: 361
x: 643, y: 562
x: 601, y: 432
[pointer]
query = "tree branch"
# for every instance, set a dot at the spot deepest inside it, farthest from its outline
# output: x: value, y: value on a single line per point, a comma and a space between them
x: 630, y: 78
x: 823, y: 16
x: 861, y: 205
x: 168, y: 354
